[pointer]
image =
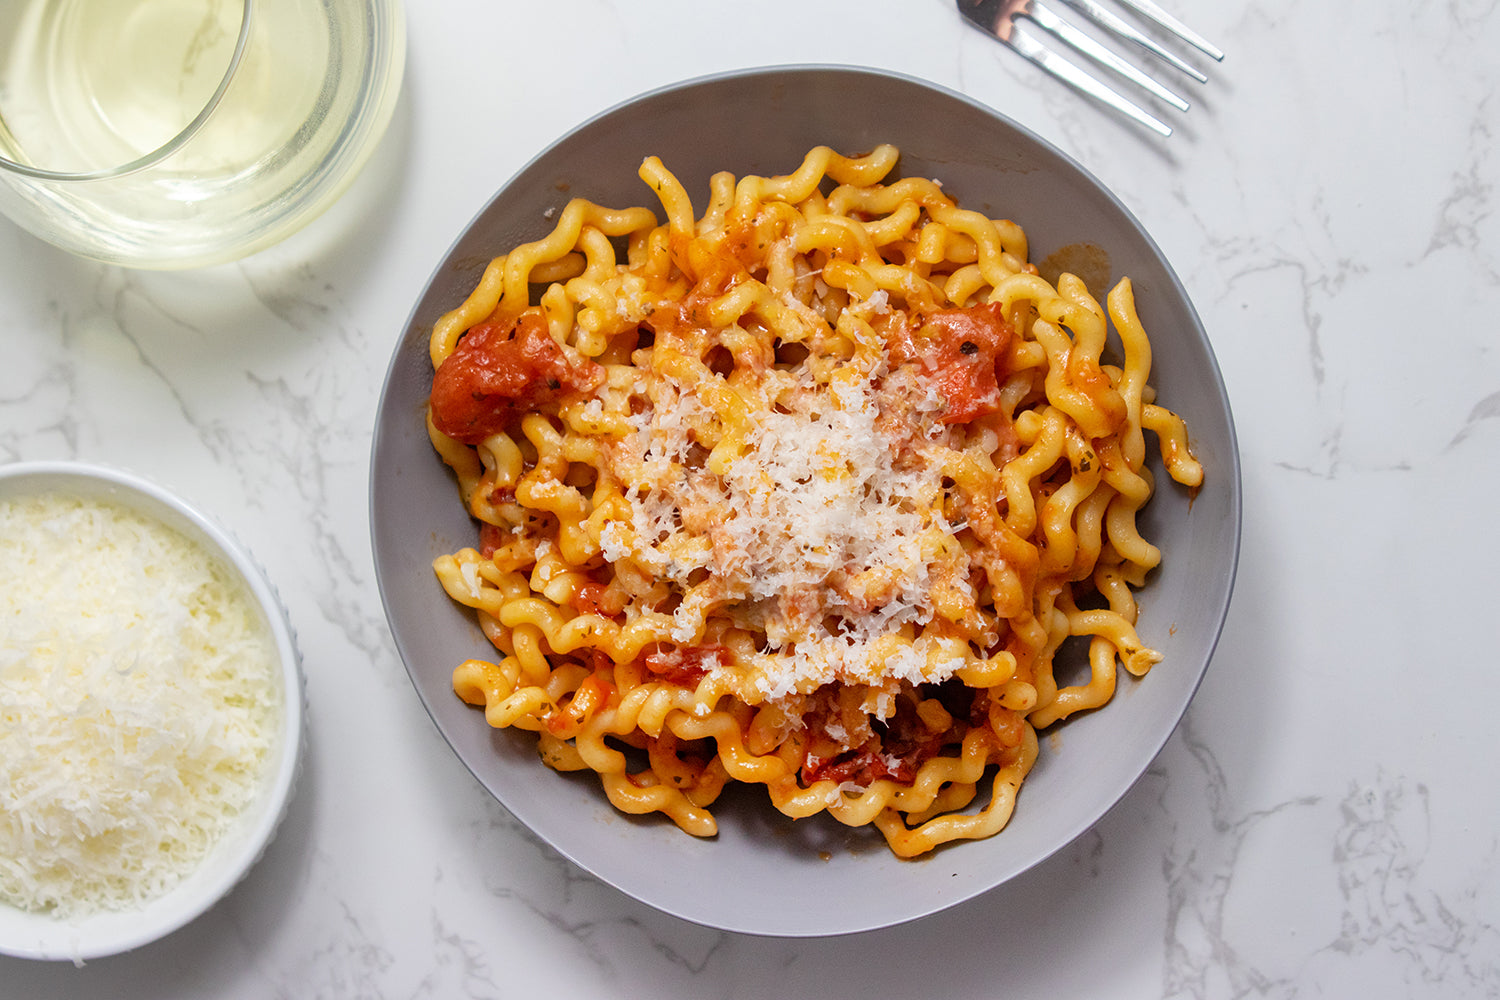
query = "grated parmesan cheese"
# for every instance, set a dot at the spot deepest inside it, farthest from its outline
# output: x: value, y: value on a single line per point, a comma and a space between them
x: 139, y: 705
x: 819, y: 531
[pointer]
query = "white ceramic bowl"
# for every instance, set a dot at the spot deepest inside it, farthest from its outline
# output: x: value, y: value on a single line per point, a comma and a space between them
x: 40, y: 936
x: 763, y: 873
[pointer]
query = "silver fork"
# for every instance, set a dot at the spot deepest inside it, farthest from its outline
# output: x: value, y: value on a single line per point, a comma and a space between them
x: 1001, y: 19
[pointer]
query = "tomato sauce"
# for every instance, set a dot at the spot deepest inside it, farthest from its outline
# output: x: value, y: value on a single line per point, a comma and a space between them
x: 964, y: 352
x: 898, y: 760
x: 594, y: 598
x: 597, y: 691
x: 491, y: 537
x: 499, y: 371
x: 685, y: 666
x: 901, y: 746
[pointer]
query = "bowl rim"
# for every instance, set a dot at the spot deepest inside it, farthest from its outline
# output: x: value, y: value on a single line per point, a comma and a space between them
x: 1229, y: 463
x: 97, y: 935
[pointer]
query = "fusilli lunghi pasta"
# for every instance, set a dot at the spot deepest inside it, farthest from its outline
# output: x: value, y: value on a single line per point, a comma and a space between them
x: 805, y: 491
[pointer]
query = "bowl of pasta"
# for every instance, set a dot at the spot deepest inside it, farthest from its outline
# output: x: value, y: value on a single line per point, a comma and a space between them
x: 805, y: 499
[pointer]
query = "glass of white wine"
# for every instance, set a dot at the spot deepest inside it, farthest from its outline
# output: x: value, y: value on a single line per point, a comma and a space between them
x: 185, y: 133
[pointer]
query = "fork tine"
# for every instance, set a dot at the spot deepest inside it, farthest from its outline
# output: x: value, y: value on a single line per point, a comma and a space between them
x: 1066, y: 71
x: 1046, y: 18
x: 1149, y: 10
x: 1011, y: 22
x: 1107, y: 19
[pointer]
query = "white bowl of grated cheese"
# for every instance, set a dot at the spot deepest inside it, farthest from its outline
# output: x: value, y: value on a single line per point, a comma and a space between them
x: 149, y: 735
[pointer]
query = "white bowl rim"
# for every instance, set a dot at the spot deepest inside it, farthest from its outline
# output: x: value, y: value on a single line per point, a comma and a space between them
x: 40, y: 936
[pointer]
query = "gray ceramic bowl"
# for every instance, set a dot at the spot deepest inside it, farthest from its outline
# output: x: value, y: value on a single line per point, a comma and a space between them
x: 764, y: 874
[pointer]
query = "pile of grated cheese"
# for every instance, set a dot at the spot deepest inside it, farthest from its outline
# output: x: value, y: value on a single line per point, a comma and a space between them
x: 140, y: 703
x: 819, y: 493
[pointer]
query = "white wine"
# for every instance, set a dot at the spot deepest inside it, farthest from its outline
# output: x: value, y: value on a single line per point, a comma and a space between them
x: 91, y: 85
x: 88, y: 87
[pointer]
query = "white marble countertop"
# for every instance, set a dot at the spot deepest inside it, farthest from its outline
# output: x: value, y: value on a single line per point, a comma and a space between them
x: 1318, y: 826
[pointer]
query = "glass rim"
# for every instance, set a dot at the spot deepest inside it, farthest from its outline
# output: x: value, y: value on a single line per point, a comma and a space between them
x: 166, y: 149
